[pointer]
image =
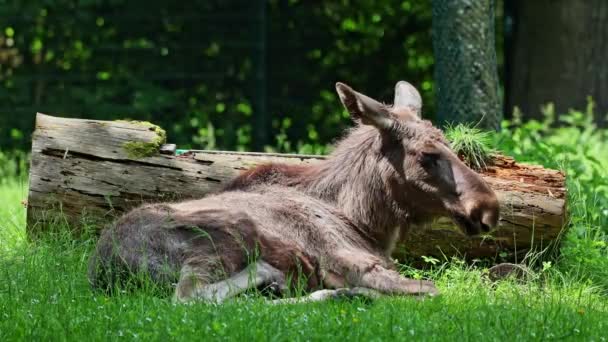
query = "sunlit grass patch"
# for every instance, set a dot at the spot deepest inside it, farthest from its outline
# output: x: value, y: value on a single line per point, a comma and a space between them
x: 44, y: 294
x: 13, y: 194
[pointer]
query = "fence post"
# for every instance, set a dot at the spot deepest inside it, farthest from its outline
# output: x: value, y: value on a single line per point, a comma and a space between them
x: 261, y: 116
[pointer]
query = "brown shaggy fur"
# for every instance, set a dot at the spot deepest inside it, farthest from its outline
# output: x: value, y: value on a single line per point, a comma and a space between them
x: 335, y: 223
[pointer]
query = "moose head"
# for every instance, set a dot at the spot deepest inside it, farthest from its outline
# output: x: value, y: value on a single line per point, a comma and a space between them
x: 421, y: 172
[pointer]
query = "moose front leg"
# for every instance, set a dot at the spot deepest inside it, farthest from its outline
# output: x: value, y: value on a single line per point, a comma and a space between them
x: 367, y: 270
x: 391, y: 282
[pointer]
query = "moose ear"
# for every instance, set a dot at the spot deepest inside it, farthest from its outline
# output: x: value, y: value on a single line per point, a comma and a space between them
x: 406, y: 96
x: 364, y: 108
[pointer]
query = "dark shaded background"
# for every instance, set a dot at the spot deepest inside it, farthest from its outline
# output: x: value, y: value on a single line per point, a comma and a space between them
x: 254, y: 75
x: 210, y: 72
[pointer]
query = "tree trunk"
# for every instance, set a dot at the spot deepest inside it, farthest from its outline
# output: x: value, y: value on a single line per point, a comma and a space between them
x: 557, y: 54
x: 466, y: 76
x: 86, y: 171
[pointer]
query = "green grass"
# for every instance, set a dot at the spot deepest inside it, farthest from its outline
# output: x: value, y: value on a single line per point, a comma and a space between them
x: 44, y: 294
x: 13, y: 191
x: 571, y: 142
x: 471, y: 144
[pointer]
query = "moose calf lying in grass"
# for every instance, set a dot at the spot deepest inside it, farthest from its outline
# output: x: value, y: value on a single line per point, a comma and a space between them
x: 333, y: 224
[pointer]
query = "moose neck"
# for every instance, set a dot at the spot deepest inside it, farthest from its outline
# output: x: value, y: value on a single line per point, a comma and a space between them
x: 357, y: 179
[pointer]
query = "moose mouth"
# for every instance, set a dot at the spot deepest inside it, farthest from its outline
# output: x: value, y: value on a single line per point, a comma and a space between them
x: 469, y: 226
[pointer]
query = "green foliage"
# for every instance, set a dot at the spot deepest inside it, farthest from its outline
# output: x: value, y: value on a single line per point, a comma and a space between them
x: 470, y: 143
x: 195, y: 71
x: 571, y: 142
x: 13, y: 165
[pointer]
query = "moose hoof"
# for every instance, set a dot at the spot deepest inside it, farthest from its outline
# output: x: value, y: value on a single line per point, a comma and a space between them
x: 276, y: 289
x: 420, y: 288
x: 431, y: 291
x: 356, y: 292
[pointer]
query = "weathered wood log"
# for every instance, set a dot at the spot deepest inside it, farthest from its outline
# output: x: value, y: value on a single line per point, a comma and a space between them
x: 90, y: 171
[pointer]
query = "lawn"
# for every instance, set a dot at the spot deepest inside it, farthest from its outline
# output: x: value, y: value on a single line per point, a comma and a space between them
x: 44, y: 294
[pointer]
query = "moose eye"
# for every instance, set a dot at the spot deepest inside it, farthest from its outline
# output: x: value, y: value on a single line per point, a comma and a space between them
x: 429, y: 159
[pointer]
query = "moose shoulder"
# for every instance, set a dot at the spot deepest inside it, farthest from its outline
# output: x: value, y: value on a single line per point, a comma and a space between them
x: 334, y: 222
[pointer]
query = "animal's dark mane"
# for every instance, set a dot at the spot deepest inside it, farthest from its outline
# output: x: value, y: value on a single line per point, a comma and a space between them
x: 271, y: 173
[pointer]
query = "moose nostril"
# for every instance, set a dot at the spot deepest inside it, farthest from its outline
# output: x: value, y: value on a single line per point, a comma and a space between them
x: 489, y: 216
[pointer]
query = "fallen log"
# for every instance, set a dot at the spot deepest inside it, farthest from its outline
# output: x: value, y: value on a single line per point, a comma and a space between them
x: 90, y: 171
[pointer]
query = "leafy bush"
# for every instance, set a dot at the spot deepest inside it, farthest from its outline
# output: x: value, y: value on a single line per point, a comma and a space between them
x: 574, y: 144
x: 203, y: 73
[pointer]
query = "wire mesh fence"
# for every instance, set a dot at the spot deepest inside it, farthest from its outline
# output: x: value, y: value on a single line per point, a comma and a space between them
x: 466, y: 74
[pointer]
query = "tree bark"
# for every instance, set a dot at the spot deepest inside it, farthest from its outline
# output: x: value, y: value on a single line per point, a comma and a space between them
x: 557, y: 54
x: 466, y: 75
x: 82, y: 173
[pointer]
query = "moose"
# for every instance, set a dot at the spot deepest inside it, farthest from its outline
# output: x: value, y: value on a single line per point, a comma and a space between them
x: 331, y: 226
